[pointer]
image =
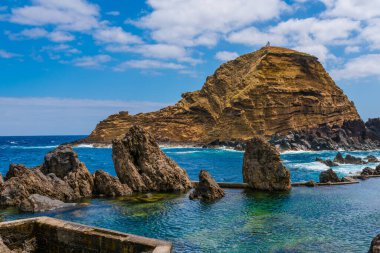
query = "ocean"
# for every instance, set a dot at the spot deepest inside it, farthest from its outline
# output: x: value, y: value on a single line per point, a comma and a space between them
x: 322, y: 219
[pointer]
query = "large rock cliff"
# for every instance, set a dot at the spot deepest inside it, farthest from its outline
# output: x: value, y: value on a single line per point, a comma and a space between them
x: 271, y: 91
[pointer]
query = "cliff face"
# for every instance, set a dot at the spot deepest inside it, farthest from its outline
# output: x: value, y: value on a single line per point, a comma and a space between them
x: 271, y: 91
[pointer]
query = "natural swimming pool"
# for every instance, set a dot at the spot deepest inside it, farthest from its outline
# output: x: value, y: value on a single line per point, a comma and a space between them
x: 322, y: 219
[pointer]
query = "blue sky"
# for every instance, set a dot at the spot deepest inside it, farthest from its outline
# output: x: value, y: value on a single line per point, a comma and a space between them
x: 65, y: 65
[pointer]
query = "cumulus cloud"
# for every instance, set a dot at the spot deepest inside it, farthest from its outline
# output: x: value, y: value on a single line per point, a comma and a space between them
x: 201, y: 22
x: 360, y: 67
x: 92, y: 61
x: 148, y: 65
x: 115, y: 35
x: 226, y: 55
x: 113, y: 13
x: 37, y: 33
x: 356, y: 9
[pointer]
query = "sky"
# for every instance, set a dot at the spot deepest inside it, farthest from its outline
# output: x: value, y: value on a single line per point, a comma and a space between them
x: 67, y: 64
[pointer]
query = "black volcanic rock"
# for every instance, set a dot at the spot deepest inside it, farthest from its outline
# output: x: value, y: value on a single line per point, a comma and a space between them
x: 207, y: 188
x: 328, y: 176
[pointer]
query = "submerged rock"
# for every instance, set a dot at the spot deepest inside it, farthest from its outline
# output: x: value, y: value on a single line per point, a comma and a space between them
x: 107, y: 185
x: 310, y: 183
x: 375, y: 245
x: 207, y: 188
x: 143, y: 166
x: 262, y: 167
x: 328, y: 176
x: 327, y: 162
x: 372, y: 159
x: 349, y: 159
x: 38, y: 203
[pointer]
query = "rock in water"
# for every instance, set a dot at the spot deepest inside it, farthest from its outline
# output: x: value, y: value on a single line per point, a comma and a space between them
x: 372, y: 159
x: 375, y: 245
x: 271, y: 91
x: 143, y: 166
x: 327, y: 162
x: 64, y: 163
x: 328, y: 176
x: 107, y: 185
x: 367, y: 171
x: 38, y: 203
x: 349, y: 159
x: 262, y: 167
x: 20, y: 182
x: 207, y: 189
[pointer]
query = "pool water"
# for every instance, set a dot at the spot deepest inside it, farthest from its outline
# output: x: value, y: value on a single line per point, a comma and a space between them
x: 322, y: 219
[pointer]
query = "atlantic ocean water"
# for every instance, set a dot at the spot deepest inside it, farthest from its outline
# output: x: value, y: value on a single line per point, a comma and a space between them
x: 322, y: 219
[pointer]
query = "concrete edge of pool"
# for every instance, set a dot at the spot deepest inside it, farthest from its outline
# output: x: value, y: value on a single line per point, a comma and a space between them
x: 53, y: 235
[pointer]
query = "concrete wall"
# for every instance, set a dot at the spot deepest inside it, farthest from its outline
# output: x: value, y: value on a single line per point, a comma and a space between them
x: 52, y: 235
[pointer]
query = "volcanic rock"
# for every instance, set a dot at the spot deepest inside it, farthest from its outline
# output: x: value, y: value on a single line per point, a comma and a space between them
x: 38, y: 203
x: 207, y: 188
x: 367, y: 171
x: 373, y: 128
x: 262, y: 167
x: 1, y: 180
x: 328, y: 176
x: 107, y: 185
x: 310, y: 183
x: 4, y: 248
x: 348, y: 179
x: 349, y: 159
x: 375, y: 245
x: 327, y: 162
x: 271, y: 92
x: 76, y: 182
x: 372, y: 159
x: 143, y: 166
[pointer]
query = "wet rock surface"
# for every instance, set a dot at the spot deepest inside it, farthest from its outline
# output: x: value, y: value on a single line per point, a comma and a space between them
x: 327, y: 162
x: 107, y: 185
x: 329, y: 176
x: 375, y: 245
x: 38, y: 203
x: 367, y: 171
x: 262, y: 167
x: 143, y: 166
x: 372, y: 159
x: 207, y: 188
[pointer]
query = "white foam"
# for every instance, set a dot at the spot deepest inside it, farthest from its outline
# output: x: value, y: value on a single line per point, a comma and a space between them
x: 93, y: 146
x: 33, y: 147
x: 315, y: 166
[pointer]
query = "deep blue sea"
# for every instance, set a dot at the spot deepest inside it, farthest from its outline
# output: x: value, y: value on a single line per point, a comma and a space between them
x: 321, y: 219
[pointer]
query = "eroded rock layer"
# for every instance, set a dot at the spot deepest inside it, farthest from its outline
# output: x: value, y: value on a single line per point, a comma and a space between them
x: 271, y: 91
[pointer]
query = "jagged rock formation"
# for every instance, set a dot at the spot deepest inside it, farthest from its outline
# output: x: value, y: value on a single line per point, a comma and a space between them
x: 143, y: 166
x: 207, y: 188
x: 375, y: 245
x: 107, y: 185
x: 20, y: 182
x: 262, y: 167
x: 38, y: 203
x: 270, y: 92
x: 328, y: 176
x: 327, y: 162
x: 349, y: 159
x: 372, y: 159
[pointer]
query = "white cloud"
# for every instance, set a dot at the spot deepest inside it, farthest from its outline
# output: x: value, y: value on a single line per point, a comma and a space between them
x: 201, y: 22
x: 113, y: 13
x: 360, y: 67
x: 148, y: 65
x: 115, y: 35
x: 36, y: 33
x: 252, y: 36
x: 75, y: 15
x: 317, y: 50
x: 351, y: 49
x: 226, y: 55
x: 356, y: 9
x: 61, y: 48
x: 7, y: 55
x: 91, y: 61
x: 371, y: 33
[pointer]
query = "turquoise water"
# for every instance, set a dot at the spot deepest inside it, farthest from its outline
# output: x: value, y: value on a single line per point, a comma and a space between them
x: 322, y: 219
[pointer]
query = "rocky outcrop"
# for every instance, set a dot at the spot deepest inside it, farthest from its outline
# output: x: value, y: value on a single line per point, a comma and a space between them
x: 38, y: 203
x: 262, y: 167
x: 349, y: 159
x: 76, y: 182
x: 375, y: 245
x: 271, y: 92
x: 107, y: 185
x: 143, y: 166
x: 327, y: 162
x: 372, y: 159
x: 329, y: 176
x: 373, y: 128
x: 207, y: 188
x: 1, y: 180
x: 367, y: 171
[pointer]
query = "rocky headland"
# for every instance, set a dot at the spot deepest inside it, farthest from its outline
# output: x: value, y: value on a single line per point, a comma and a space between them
x: 281, y: 94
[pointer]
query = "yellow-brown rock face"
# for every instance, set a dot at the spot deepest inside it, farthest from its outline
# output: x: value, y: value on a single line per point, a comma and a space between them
x: 273, y: 90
